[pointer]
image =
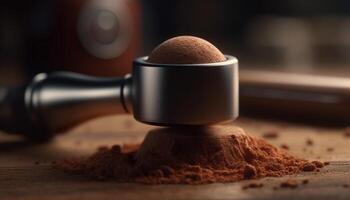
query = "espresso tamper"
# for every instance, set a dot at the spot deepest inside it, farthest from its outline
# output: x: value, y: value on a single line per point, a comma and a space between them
x: 156, y: 94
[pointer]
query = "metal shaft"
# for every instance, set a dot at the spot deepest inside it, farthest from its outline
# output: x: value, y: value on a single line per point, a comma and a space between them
x: 63, y: 99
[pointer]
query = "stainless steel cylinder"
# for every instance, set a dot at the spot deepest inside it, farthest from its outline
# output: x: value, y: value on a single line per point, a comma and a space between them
x: 185, y: 94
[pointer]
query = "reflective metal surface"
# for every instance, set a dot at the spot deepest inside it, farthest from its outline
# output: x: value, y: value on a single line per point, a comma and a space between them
x: 63, y: 99
x: 185, y: 94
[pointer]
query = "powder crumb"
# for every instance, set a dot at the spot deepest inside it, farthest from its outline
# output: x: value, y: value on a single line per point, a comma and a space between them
x: 326, y: 163
x: 289, y: 184
x: 346, y: 185
x: 305, y: 181
x: 330, y: 149
x: 347, y: 132
x: 102, y: 148
x: 169, y: 156
x: 309, y: 142
x: 270, y: 135
x: 318, y: 164
x: 284, y: 146
x: 130, y: 147
x: 252, y: 185
x: 249, y: 171
x: 308, y: 167
x: 167, y: 171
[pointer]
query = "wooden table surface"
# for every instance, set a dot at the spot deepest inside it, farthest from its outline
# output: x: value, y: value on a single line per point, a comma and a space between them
x: 26, y: 172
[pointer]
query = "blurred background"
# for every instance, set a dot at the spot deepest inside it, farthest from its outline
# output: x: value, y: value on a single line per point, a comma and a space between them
x: 102, y: 37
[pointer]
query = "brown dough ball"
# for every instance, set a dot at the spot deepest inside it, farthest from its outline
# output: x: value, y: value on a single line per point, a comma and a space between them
x: 186, y: 50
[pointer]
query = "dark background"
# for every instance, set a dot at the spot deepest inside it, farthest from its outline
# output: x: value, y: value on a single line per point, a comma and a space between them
x: 294, y: 35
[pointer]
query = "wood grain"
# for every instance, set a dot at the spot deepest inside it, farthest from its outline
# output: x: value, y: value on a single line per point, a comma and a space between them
x: 26, y: 172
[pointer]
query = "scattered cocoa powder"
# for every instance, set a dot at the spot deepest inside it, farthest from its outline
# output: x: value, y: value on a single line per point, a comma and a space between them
x: 252, y: 185
x: 318, y: 164
x: 346, y: 185
x: 308, y: 167
x: 305, y: 181
x: 330, y: 149
x: 326, y: 163
x: 309, y: 142
x: 347, y: 132
x: 189, y: 156
x: 284, y: 146
x: 270, y: 135
x: 290, y: 183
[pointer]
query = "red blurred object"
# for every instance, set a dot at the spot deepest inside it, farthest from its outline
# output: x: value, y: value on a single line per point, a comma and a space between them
x: 96, y: 37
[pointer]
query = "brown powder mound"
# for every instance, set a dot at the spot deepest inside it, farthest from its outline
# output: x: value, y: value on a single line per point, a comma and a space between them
x: 188, y: 156
x: 186, y: 50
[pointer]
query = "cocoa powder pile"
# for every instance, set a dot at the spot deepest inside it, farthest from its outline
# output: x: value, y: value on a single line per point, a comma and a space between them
x: 189, y: 156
